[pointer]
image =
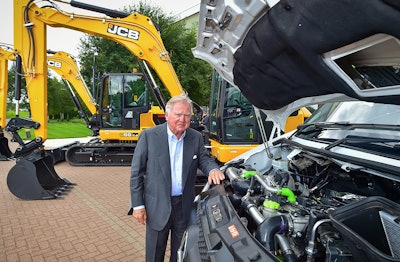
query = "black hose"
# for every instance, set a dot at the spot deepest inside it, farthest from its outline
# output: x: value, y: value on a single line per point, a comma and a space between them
x: 288, y: 254
x: 289, y: 258
x: 268, y: 228
x: 18, y: 78
x: 110, y: 12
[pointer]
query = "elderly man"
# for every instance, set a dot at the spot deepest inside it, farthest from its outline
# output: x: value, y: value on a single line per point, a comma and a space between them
x: 163, y: 177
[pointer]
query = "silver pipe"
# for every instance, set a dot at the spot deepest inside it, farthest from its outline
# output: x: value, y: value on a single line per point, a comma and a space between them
x: 265, y: 185
x: 311, y: 244
x: 255, y: 214
x: 149, y: 73
x: 231, y: 172
x: 284, y: 244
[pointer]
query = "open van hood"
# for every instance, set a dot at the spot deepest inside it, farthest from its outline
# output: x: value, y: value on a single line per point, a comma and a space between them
x: 287, y: 54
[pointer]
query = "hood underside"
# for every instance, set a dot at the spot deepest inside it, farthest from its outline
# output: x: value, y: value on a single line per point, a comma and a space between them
x: 292, y: 53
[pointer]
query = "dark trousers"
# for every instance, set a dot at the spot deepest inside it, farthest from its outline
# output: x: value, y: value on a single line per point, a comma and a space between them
x: 156, y: 241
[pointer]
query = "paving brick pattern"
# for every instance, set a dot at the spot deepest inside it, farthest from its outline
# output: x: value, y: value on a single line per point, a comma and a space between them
x: 90, y: 223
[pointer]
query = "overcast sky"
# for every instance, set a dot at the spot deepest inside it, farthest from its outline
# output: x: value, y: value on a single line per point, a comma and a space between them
x: 60, y: 39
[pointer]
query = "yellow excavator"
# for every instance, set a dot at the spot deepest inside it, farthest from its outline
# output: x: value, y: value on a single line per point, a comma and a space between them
x: 22, y: 181
x: 65, y: 66
x: 6, y: 54
x: 232, y: 122
x: 124, y: 107
x: 123, y: 111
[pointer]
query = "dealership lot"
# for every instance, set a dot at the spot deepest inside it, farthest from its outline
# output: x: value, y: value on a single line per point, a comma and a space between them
x: 90, y: 223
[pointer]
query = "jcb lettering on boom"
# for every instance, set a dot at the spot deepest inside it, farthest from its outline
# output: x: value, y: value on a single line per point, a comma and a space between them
x: 54, y: 63
x: 123, y: 31
x: 120, y: 114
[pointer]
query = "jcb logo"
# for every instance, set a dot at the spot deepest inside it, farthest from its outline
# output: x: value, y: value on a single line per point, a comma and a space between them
x: 54, y: 63
x: 123, y: 31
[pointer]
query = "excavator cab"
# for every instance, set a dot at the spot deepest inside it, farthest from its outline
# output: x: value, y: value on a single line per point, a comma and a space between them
x: 232, y: 122
x: 124, y: 98
x: 125, y: 110
x: 233, y: 126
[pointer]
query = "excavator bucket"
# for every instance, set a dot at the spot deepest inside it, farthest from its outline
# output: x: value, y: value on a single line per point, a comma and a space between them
x: 33, y: 176
x: 5, y: 152
x: 35, y: 180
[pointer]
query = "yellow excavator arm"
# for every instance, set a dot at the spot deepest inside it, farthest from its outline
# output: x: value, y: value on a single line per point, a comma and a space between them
x: 135, y: 31
x: 65, y: 66
x: 5, y: 55
x: 61, y: 63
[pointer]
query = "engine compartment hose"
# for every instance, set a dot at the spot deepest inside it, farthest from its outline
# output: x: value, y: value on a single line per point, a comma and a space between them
x: 267, y: 230
x: 310, y: 249
x: 288, y: 254
x: 252, y: 210
x: 232, y: 173
x: 259, y: 178
x: 289, y: 194
x: 279, y: 191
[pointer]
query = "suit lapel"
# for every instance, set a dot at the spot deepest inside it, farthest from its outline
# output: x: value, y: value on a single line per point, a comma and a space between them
x: 163, y: 155
x: 188, y: 154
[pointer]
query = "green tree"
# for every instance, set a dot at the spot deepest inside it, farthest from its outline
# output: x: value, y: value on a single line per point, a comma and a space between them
x: 60, y: 105
x: 194, y: 74
x: 23, y: 103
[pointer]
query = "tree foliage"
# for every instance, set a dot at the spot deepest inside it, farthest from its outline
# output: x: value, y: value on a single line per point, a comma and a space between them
x: 24, y: 103
x: 194, y: 74
x: 60, y: 105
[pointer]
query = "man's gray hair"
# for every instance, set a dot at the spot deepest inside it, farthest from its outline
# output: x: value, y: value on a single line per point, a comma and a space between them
x: 178, y: 98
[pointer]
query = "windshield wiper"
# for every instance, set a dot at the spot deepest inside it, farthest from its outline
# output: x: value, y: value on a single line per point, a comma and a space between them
x: 352, y: 140
x: 345, y: 125
x: 306, y: 129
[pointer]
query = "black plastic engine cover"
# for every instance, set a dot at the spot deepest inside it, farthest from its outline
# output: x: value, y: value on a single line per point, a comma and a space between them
x: 221, y: 234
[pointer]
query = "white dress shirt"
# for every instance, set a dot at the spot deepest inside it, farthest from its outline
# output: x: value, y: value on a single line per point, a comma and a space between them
x: 176, y: 160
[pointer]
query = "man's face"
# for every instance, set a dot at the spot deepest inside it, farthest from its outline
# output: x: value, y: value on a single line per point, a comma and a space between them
x: 179, y: 118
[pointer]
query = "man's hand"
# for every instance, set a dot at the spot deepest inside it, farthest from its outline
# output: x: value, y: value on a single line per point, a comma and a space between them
x: 140, y: 215
x: 215, y: 177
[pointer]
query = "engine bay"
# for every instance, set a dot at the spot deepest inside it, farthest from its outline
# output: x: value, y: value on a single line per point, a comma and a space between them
x: 310, y: 208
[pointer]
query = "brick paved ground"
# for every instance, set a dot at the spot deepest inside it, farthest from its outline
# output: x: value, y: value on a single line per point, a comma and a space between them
x: 89, y: 224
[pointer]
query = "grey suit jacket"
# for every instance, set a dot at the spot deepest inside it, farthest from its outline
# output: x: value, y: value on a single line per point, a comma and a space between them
x: 150, y: 182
